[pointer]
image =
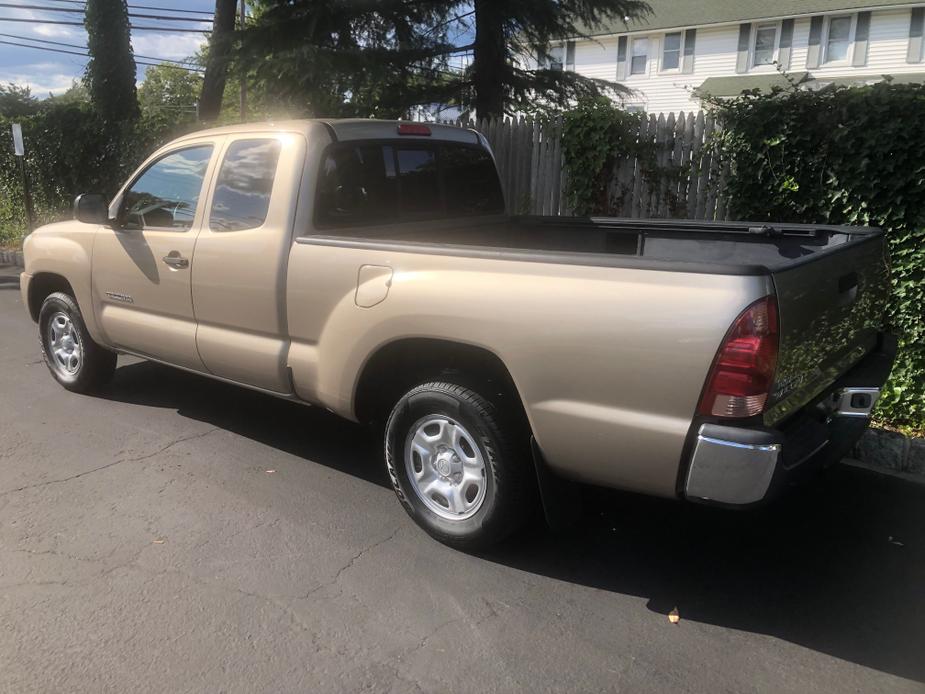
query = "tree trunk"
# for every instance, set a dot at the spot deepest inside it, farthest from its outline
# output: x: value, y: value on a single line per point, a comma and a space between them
x: 213, y: 83
x: 489, y: 65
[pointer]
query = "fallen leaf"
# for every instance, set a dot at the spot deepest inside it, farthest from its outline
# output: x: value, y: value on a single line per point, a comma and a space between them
x: 674, y: 616
x: 270, y: 472
x: 893, y: 541
x: 158, y: 541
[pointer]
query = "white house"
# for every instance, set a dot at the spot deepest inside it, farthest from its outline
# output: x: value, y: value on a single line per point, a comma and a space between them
x: 685, y: 49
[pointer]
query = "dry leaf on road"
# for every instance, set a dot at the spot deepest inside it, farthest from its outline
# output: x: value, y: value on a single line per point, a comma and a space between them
x: 674, y: 616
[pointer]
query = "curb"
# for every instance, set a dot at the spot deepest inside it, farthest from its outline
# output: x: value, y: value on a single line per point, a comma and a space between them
x: 14, y: 258
x: 891, y: 451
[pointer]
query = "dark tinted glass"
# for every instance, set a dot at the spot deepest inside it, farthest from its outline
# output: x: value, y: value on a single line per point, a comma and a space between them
x: 245, y: 181
x: 420, y: 184
x: 470, y: 181
x: 166, y: 194
x: 378, y: 184
x: 357, y: 186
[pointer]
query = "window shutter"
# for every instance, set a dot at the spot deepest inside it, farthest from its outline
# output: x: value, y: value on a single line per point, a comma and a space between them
x: 786, y: 44
x: 914, y: 54
x: 570, y: 55
x: 621, y: 58
x: 814, y: 52
x: 861, y: 37
x: 745, y: 37
x: 690, y: 43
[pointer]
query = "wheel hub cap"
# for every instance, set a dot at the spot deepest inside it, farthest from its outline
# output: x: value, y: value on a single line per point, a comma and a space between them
x: 64, y: 345
x: 445, y: 467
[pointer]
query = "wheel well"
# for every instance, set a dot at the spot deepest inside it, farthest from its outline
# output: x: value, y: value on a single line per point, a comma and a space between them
x: 43, y: 284
x: 399, y: 366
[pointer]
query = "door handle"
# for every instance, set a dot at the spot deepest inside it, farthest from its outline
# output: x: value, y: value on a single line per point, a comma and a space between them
x: 175, y: 260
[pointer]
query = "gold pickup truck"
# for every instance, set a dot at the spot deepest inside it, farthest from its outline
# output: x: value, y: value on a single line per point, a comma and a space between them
x: 368, y: 267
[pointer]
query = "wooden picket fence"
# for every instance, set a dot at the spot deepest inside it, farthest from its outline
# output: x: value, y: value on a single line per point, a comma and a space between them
x: 690, y: 183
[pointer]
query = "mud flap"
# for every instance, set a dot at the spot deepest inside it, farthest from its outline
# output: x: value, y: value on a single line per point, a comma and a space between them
x: 561, y: 498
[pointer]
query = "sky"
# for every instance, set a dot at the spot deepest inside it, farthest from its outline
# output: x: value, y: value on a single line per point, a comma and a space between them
x: 47, y: 72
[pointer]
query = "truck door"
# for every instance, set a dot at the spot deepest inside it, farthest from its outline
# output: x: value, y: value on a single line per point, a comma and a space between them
x: 242, y: 252
x: 141, y: 268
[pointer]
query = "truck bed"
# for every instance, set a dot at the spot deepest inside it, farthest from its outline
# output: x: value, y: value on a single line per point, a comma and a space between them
x: 831, y: 282
x: 716, y: 247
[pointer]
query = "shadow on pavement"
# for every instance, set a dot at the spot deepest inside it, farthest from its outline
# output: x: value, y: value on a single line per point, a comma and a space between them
x: 836, y: 566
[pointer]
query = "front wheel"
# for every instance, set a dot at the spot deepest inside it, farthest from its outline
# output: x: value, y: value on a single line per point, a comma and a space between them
x: 72, y: 357
x: 461, y: 470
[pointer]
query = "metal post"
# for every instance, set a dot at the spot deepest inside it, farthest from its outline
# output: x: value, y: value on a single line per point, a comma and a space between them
x: 242, y: 75
x: 19, y: 150
x: 27, y: 195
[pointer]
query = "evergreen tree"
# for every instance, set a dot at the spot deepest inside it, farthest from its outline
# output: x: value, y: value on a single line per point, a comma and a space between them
x: 110, y: 74
x: 369, y: 58
x: 508, y: 30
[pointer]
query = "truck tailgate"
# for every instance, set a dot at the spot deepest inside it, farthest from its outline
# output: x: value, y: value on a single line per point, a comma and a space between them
x: 830, y: 309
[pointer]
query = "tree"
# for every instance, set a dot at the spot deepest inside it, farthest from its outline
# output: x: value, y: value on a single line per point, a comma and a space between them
x: 217, y: 60
x: 371, y: 58
x: 508, y: 30
x: 16, y: 101
x: 168, y: 99
x: 110, y: 74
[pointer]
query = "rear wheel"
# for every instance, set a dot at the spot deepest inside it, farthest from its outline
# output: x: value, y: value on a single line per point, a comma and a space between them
x: 460, y: 468
x: 72, y: 357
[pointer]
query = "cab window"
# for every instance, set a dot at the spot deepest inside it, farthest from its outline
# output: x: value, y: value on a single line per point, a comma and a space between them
x: 244, y: 185
x: 377, y: 183
x: 166, y: 195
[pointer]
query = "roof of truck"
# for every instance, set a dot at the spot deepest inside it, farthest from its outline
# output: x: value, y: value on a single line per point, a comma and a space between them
x: 342, y: 129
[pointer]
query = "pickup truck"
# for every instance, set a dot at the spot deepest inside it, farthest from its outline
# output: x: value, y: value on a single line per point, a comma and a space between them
x: 369, y: 268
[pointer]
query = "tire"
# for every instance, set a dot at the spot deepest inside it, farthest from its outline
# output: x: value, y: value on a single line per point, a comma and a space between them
x: 93, y: 366
x: 484, y: 482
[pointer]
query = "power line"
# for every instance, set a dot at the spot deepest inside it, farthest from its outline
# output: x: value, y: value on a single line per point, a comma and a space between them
x: 86, y: 55
x: 143, y: 7
x: 84, y: 48
x: 137, y: 27
x: 162, y: 18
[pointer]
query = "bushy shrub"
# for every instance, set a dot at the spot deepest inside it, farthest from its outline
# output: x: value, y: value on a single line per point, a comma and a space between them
x: 843, y: 155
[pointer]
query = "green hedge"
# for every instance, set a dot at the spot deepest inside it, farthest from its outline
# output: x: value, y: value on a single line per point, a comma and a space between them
x: 69, y: 150
x: 844, y: 156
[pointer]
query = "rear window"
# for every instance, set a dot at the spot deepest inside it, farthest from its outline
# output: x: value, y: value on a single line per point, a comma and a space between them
x: 375, y: 183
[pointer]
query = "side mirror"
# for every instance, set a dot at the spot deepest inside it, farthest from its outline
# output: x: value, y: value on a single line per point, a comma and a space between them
x: 90, y: 208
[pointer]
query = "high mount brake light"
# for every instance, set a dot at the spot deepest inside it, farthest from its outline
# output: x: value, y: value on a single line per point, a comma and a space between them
x: 413, y: 129
x: 743, y: 370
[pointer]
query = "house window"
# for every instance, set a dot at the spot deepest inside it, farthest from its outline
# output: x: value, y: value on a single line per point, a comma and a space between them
x: 553, y: 58
x: 838, y: 39
x: 640, y: 56
x: 671, y: 55
x: 765, y: 44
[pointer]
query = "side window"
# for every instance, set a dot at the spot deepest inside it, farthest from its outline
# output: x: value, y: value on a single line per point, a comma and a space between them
x: 165, y: 196
x: 357, y: 185
x: 470, y: 181
x: 244, y: 184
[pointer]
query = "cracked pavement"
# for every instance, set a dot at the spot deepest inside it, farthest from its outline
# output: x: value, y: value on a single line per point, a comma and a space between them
x: 145, y: 546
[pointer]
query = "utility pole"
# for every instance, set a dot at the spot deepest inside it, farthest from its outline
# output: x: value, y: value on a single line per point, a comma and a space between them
x: 243, y: 76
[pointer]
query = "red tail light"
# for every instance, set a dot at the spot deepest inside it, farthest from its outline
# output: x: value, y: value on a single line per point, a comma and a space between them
x: 413, y: 129
x: 743, y: 371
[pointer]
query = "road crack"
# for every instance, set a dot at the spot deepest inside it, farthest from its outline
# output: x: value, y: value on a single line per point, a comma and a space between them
x: 109, y: 465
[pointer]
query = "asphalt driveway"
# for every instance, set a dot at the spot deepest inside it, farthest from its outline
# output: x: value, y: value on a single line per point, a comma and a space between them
x: 178, y: 534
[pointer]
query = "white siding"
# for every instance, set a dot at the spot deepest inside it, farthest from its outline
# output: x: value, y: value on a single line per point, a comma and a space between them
x: 715, y: 56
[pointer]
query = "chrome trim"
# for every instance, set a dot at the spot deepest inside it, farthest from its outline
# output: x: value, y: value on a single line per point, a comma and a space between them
x: 730, y: 472
x: 842, y: 402
x: 736, y: 444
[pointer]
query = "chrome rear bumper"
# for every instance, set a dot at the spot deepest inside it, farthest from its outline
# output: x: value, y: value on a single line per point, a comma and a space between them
x: 731, y: 472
